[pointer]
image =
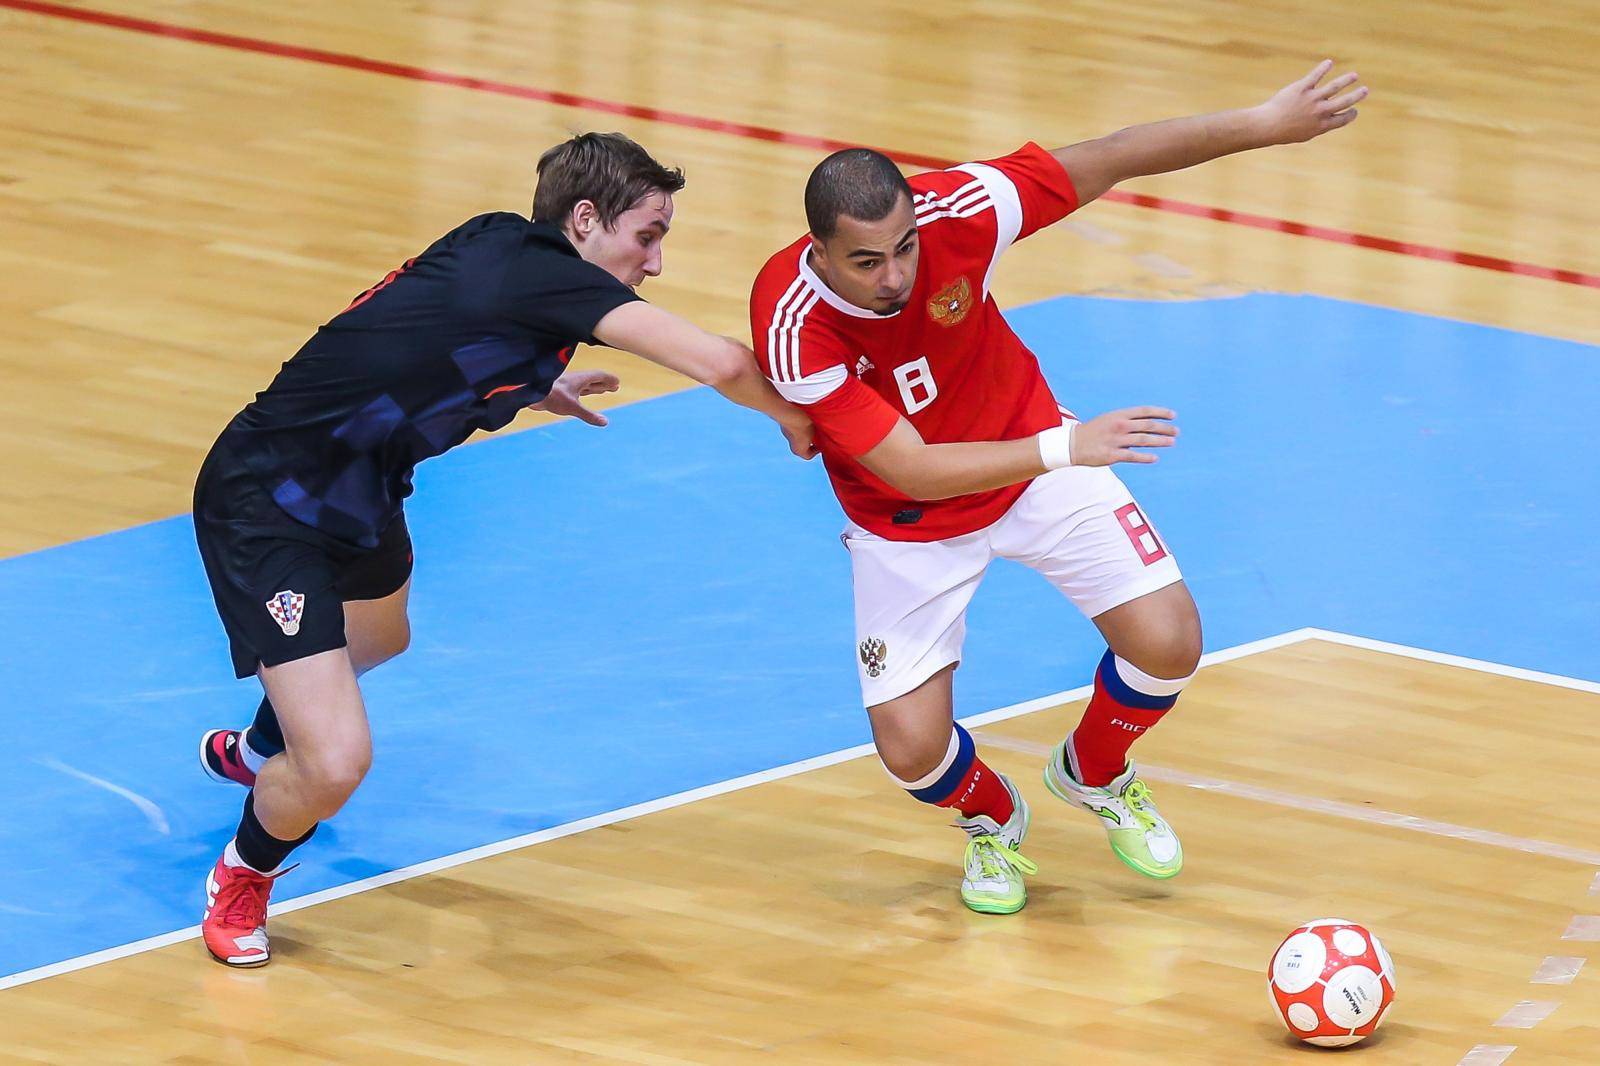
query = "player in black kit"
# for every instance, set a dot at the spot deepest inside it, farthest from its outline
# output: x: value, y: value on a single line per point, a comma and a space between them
x: 298, y: 507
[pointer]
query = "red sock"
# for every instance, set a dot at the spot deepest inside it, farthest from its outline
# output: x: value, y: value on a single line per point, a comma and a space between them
x: 1118, y: 714
x: 964, y: 782
x: 981, y: 792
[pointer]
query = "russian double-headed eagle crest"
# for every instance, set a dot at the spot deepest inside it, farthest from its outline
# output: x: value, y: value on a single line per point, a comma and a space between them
x: 873, y: 652
x: 950, y: 304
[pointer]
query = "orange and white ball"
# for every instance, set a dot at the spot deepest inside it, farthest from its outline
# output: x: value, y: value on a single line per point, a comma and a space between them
x: 1331, y: 982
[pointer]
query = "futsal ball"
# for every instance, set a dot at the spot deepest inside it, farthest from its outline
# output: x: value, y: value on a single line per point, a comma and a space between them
x: 1331, y: 982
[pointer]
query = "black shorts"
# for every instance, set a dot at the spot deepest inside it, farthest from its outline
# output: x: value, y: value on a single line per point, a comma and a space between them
x: 280, y: 585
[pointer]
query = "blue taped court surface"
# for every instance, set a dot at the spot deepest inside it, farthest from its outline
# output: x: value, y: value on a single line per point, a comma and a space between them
x: 605, y: 617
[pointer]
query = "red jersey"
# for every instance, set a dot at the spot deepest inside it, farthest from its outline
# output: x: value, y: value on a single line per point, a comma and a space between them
x: 947, y: 361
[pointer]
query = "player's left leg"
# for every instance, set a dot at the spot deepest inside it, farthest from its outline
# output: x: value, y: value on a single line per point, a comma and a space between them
x: 1082, y: 530
x: 1154, y: 647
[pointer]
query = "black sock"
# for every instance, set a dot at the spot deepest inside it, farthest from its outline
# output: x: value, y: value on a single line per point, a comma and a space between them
x: 264, y: 736
x: 258, y: 848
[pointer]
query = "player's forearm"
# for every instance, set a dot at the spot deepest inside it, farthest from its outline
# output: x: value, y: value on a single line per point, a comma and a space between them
x: 948, y: 470
x: 939, y: 471
x: 1301, y: 110
x: 1161, y: 147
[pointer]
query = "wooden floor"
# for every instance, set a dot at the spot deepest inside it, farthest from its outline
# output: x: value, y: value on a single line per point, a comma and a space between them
x: 178, y: 216
x: 815, y: 919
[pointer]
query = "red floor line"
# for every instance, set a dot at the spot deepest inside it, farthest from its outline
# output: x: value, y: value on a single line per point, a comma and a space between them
x: 765, y: 133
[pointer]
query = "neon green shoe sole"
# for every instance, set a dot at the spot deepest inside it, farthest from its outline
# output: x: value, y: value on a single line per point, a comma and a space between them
x: 1000, y: 869
x: 990, y: 905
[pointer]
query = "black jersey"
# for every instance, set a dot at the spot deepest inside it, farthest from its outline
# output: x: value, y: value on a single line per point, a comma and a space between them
x: 458, y: 339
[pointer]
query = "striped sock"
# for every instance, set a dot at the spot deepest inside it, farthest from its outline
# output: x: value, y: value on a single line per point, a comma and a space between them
x: 963, y: 782
x: 1126, y: 703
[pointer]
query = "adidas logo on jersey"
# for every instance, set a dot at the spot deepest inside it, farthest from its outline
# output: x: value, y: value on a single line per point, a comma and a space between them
x: 863, y: 365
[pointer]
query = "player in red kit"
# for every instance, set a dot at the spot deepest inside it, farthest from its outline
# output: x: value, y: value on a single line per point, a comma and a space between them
x: 947, y: 449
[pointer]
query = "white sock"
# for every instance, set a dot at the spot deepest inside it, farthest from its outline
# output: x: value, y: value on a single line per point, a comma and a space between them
x: 230, y: 857
x: 252, y: 760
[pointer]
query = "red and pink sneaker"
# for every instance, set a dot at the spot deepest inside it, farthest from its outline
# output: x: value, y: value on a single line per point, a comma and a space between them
x: 235, y: 922
x: 222, y: 759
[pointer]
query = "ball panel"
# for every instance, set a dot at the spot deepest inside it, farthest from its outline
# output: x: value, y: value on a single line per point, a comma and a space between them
x: 1383, y: 958
x: 1299, y: 962
x: 1353, y: 997
x: 1350, y: 943
x: 1302, y: 1017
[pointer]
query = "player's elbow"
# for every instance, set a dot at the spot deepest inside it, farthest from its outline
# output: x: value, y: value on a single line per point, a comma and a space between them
x: 727, y: 365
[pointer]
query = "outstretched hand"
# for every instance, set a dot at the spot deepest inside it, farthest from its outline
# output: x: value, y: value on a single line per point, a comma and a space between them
x: 1305, y: 109
x: 1113, y: 436
x: 566, y: 394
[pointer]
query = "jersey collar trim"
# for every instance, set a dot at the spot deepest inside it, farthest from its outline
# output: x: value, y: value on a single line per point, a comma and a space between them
x: 829, y: 297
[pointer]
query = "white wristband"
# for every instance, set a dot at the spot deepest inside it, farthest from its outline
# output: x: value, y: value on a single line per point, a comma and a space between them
x: 1055, y: 446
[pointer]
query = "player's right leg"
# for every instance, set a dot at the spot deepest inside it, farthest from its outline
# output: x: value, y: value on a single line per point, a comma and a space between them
x: 328, y: 750
x: 375, y: 588
x: 275, y: 585
x: 911, y: 602
x: 934, y: 759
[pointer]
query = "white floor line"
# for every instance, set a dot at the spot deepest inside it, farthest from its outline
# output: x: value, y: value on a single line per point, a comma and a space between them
x: 1585, y: 927
x: 1527, y: 1014
x: 1350, y: 811
x: 775, y: 774
x: 446, y: 862
x: 1482, y: 666
x: 156, y: 817
x: 1487, y: 1055
x: 1055, y: 699
x: 1557, y: 970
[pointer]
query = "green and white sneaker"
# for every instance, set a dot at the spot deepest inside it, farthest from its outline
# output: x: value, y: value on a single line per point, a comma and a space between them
x: 1139, y: 835
x: 992, y: 881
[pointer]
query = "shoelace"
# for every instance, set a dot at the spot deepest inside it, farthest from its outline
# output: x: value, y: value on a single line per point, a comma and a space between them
x: 1136, y: 795
x: 243, y: 901
x: 994, y: 857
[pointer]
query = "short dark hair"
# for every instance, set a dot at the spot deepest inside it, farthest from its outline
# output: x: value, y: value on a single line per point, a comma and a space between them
x: 857, y: 182
x: 610, y: 169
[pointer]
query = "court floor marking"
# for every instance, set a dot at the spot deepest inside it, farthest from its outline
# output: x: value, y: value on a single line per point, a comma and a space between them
x: 303, y: 53
x: 736, y: 784
x: 1333, y: 808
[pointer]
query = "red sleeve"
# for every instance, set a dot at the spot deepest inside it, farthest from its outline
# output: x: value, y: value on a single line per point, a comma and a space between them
x: 854, y: 417
x: 1045, y: 191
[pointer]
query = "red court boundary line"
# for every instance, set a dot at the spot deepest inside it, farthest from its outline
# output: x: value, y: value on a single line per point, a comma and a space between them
x: 765, y: 133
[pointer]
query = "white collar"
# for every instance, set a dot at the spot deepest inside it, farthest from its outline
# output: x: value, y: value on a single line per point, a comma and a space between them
x: 829, y: 297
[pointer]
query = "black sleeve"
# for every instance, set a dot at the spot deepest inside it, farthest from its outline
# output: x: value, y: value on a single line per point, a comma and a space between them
x: 560, y: 295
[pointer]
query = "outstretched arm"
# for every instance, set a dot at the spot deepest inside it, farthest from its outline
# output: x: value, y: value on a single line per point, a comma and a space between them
x: 721, y: 362
x: 1298, y: 112
x: 925, y: 471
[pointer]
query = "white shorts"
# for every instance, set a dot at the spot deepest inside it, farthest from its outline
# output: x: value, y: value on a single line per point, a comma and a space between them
x: 1079, y: 527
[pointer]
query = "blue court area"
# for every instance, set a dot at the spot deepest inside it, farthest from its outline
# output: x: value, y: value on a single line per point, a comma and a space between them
x: 605, y: 617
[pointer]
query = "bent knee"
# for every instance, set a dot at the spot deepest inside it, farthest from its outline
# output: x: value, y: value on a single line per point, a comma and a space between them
x: 1170, y: 654
x: 398, y: 642
x: 913, y: 757
x: 330, y: 779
